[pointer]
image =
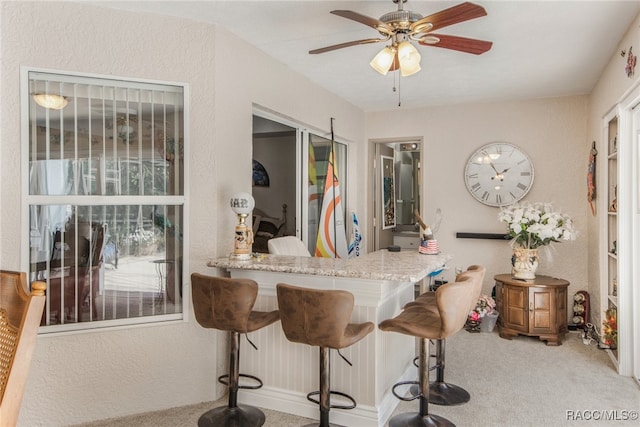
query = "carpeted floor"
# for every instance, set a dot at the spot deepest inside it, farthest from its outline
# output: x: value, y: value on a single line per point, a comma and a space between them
x: 521, y: 382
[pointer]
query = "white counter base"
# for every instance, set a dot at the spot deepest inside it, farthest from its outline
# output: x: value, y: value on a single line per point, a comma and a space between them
x: 291, y: 370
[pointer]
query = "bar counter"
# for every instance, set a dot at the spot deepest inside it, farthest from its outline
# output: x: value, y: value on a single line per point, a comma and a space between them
x: 382, y: 283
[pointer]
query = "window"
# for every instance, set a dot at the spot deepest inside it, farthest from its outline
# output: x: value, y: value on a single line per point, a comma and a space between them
x: 106, y: 199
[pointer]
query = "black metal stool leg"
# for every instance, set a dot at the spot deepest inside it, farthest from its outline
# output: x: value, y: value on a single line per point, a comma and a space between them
x: 440, y: 392
x: 233, y: 415
x: 324, y: 395
x: 423, y: 417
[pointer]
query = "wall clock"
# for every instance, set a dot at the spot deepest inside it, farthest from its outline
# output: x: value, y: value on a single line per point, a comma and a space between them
x: 498, y: 174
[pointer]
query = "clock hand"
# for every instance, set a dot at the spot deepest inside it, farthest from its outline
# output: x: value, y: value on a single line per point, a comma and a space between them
x: 499, y: 175
x: 491, y: 164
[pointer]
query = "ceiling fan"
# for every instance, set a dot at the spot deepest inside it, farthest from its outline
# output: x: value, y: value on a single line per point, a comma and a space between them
x: 403, y: 26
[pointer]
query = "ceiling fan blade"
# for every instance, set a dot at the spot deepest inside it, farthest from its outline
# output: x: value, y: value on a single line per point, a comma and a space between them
x: 347, y: 44
x: 444, y: 18
x: 374, y: 23
x: 462, y: 44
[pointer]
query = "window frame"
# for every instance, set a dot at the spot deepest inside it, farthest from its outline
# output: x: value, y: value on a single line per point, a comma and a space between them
x: 99, y: 200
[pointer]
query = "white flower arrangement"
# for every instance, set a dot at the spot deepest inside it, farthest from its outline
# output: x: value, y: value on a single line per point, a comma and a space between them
x: 533, y: 225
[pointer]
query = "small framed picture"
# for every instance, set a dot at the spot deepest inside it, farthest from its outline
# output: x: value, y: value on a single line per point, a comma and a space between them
x: 388, y: 193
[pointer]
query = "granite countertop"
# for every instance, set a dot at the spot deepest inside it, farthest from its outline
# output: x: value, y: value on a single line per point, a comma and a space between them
x: 405, y: 266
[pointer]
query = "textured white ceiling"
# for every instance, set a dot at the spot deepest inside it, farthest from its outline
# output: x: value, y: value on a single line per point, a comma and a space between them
x: 540, y: 48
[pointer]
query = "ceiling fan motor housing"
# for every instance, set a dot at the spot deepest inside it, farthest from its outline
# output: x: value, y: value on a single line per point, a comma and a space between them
x: 400, y: 19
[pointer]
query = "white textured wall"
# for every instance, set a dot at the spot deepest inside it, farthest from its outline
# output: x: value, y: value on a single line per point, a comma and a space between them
x: 97, y: 375
x: 551, y: 131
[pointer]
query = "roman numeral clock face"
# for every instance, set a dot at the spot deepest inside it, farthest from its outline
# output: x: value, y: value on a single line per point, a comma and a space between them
x: 498, y: 174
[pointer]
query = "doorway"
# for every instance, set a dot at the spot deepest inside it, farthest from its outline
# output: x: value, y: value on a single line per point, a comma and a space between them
x: 406, y: 190
x: 290, y: 167
x: 274, y: 181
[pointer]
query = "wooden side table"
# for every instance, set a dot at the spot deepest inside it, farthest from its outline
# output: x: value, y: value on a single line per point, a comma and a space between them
x: 532, y: 307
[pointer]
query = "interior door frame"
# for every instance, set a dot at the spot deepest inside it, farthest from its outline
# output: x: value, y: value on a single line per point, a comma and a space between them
x: 635, y: 278
x: 629, y: 210
x: 373, y: 190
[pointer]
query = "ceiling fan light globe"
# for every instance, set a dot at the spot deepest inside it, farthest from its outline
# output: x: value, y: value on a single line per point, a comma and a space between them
x: 409, y: 59
x: 406, y: 50
x: 409, y: 70
x: 383, y: 61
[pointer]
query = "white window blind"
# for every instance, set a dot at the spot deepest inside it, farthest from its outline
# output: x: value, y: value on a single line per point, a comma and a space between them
x: 106, y: 199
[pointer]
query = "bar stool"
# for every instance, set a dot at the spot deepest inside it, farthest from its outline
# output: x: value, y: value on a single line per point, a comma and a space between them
x: 441, y: 392
x: 321, y: 318
x: 452, y: 301
x: 227, y: 304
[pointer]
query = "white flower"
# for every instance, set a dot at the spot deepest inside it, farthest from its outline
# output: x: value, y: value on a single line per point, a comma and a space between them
x: 534, y: 225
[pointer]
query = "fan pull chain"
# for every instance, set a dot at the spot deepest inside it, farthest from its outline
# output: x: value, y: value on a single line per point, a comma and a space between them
x: 396, y: 85
x: 399, y: 100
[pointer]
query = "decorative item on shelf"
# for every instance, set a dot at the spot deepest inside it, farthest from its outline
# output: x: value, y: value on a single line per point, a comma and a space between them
x: 388, y: 193
x: 610, y: 328
x: 531, y: 226
x: 614, y: 247
x: 484, y: 316
x: 429, y: 247
x: 630, y: 68
x: 428, y: 244
x: 614, y: 291
x: 242, y: 204
x: 581, y: 309
x: 591, y: 178
x: 613, y: 206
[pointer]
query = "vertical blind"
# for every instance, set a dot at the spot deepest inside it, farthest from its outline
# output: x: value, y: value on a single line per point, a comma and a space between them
x: 106, y: 198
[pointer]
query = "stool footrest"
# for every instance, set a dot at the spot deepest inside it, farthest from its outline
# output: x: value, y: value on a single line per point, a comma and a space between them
x: 401, y: 383
x: 416, y: 360
x: 346, y: 396
x: 224, y: 379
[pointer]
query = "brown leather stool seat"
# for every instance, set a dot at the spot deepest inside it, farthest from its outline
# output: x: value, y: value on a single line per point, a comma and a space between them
x: 452, y: 301
x: 227, y: 304
x: 441, y: 392
x: 320, y: 318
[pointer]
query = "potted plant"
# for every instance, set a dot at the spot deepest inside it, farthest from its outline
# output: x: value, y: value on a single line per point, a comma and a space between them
x: 530, y: 227
x: 484, y: 316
